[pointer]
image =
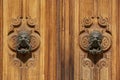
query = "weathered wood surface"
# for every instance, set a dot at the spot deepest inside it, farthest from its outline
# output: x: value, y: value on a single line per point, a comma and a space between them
x: 59, y: 56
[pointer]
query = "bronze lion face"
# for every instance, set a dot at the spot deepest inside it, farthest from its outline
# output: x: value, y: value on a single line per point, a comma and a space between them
x: 95, y: 40
x: 23, y: 43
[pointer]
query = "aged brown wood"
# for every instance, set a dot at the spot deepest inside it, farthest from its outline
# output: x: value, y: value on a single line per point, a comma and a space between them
x: 1, y: 40
x: 78, y: 10
x: 59, y: 23
x: 44, y: 12
x: 118, y: 40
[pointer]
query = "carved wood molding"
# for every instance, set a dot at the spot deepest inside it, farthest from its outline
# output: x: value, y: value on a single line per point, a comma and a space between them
x: 96, y: 59
x: 98, y: 25
x: 29, y: 26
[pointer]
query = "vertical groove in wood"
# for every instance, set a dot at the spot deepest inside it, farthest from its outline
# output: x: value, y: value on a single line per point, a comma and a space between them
x: 48, y: 16
x: 42, y: 27
x: 118, y: 40
x: 67, y: 38
x: 47, y: 41
x: 1, y: 39
x: 21, y: 8
x: 76, y: 42
x: 118, y: 57
x: 58, y: 5
x: 51, y: 17
x: 62, y: 39
x: 114, y: 37
x: 5, y: 34
x: 72, y: 37
x: 40, y: 67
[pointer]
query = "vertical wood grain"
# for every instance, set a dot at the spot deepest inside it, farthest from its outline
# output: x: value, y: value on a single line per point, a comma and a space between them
x: 58, y: 56
x: 72, y: 37
x: 86, y: 8
x: 67, y: 39
x: 36, y: 10
x: 10, y: 12
x: 46, y: 31
x: 114, y: 38
x: 118, y: 39
x: 51, y: 25
x: 1, y: 38
x: 59, y: 23
x: 76, y: 42
x: 104, y: 8
x: 62, y: 40
x: 43, y: 31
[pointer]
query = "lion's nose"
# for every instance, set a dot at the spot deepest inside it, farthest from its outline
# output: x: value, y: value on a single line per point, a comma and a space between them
x: 23, y: 39
x: 95, y: 39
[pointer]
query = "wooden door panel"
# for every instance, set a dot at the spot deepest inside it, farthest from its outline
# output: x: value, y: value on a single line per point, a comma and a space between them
x: 62, y: 29
x: 72, y: 26
x: 118, y: 45
x: 1, y: 41
x: 42, y: 65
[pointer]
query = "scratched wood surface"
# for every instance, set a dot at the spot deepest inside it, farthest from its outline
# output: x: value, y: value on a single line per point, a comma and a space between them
x: 60, y: 22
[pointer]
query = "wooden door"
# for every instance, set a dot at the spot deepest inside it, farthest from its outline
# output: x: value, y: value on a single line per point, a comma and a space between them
x: 35, y: 19
x: 59, y: 40
x: 81, y: 21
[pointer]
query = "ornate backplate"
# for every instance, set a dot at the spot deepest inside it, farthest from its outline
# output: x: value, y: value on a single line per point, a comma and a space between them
x: 95, y: 44
x: 24, y: 41
x: 95, y: 37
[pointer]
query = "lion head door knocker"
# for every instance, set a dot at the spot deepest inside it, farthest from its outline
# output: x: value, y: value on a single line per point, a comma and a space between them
x: 95, y: 38
x: 24, y: 41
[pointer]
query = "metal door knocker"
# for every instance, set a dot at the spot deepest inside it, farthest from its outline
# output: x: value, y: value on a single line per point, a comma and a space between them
x: 95, y: 40
x: 23, y: 43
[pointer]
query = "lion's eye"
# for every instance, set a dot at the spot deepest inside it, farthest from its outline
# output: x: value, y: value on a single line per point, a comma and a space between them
x: 92, y: 38
x: 20, y: 37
